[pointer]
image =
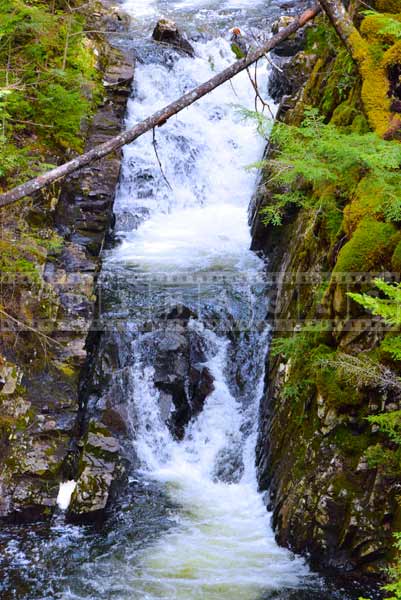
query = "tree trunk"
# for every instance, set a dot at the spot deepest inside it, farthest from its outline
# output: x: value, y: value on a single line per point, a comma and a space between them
x: 374, y: 75
x: 341, y: 22
x: 157, y: 119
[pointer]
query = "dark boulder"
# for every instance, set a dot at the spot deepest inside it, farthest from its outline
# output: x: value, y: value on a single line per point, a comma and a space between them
x: 180, y: 374
x: 167, y: 32
x: 294, y: 43
x: 288, y: 76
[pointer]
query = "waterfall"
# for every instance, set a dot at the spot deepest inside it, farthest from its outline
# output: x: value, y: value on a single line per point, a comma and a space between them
x: 184, y: 232
x: 190, y: 300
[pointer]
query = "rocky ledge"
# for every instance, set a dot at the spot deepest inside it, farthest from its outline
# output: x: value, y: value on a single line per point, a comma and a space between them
x: 40, y: 424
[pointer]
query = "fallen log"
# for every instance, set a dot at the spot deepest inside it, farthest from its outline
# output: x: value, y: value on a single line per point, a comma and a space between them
x: 157, y: 119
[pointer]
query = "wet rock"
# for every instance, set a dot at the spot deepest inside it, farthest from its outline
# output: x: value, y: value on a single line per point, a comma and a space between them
x: 100, y: 471
x: 289, y: 76
x: 85, y: 206
x: 294, y: 43
x: 41, y: 402
x: 167, y: 32
x: 127, y: 221
x: 177, y: 355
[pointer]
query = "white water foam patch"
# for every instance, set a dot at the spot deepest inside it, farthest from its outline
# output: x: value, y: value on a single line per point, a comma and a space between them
x: 139, y: 8
x: 223, y: 546
x: 202, y: 221
x: 144, y: 8
x: 64, y: 494
x: 151, y: 439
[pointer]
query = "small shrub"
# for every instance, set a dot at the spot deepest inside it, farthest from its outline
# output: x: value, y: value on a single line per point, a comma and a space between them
x: 314, y: 156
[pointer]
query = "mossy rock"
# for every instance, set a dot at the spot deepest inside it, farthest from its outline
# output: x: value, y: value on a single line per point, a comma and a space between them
x: 351, y: 442
x: 336, y: 392
x: 338, y: 87
x: 343, y: 115
x: 366, y: 203
x: 393, y: 55
x: 369, y: 249
x: 360, y: 125
x: 396, y: 258
x: 372, y: 29
x: 375, y: 84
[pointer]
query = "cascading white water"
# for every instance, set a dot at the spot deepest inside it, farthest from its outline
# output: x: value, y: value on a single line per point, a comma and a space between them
x: 222, y: 545
x: 191, y: 525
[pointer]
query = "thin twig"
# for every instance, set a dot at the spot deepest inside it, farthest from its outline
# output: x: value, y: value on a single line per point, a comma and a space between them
x: 273, y: 64
x: 31, y: 123
x: 22, y: 324
x: 154, y: 144
x: 233, y: 88
x: 258, y: 96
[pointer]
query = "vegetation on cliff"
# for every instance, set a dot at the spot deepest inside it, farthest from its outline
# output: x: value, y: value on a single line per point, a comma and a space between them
x: 48, y: 82
x: 322, y: 165
x: 49, y: 86
x: 389, y: 308
x: 333, y: 180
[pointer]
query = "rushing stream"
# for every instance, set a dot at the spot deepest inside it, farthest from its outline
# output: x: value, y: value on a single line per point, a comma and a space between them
x: 193, y: 524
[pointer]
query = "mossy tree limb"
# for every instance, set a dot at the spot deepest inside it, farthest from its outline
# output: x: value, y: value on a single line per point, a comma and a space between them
x: 342, y: 23
x: 375, y: 83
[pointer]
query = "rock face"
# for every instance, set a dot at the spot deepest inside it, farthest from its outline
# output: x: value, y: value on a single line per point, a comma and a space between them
x: 167, y: 32
x: 311, y: 455
x: 100, y: 470
x: 175, y: 354
x: 289, y: 75
x: 180, y: 375
x: 294, y: 43
x: 329, y: 500
x: 40, y: 391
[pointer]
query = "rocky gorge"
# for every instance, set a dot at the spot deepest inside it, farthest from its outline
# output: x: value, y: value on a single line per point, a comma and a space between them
x: 140, y: 367
x: 40, y: 397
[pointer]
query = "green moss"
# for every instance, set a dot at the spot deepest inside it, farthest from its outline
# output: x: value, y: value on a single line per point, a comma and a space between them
x: 333, y: 221
x: 366, y: 203
x: 369, y: 249
x: 375, y: 84
x: 336, y: 392
x: 396, y: 258
x: 351, y: 442
x: 393, y: 55
x: 340, y: 483
x: 343, y: 114
x: 67, y: 370
x: 372, y: 28
x: 338, y: 86
x: 389, y: 6
x: 360, y: 125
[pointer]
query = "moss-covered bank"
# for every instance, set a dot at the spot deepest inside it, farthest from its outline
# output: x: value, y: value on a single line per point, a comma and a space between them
x: 327, y: 371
